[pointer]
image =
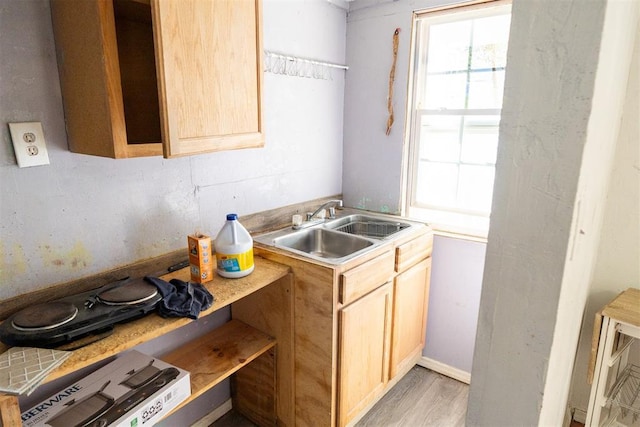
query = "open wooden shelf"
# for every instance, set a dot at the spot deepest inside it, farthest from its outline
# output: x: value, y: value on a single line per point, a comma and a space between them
x: 127, y: 335
x: 209, y: 359
x: 215, y: 356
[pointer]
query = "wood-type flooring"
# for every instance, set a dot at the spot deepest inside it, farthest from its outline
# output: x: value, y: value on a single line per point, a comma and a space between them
x: 422, y: 398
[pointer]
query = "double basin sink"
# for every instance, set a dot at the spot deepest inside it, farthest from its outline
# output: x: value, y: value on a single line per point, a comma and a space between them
x: 339, y: 240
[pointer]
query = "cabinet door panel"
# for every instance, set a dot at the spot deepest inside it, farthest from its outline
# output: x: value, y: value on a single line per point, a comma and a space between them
x: 92, y: 97
x: 411, y: 294
x: 208, y: 55
x: 364, y: 351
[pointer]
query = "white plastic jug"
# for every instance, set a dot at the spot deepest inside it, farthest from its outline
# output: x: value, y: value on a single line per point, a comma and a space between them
x: 234, y: 249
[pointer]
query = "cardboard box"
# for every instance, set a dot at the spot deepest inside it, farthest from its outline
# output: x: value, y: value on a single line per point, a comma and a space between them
x: 200, y: 258
x: 133, y: 390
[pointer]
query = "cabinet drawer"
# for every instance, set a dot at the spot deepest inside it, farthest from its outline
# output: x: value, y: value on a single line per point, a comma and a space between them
x: 366, y: 277
x: 413, y: 251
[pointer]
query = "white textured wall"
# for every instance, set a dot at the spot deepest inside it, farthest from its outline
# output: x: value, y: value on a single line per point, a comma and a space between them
x: 82, y: 214
x: 563, y: 100
x: 616, y: 48
x: 618, y: 261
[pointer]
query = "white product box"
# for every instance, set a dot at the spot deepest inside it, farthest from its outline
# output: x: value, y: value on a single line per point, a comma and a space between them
x: 132, y: 391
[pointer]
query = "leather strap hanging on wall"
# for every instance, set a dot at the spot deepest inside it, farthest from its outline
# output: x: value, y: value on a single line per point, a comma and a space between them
x: 392, y: 76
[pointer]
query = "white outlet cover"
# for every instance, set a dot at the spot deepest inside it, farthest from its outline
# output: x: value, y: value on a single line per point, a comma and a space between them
x: 29, y: 144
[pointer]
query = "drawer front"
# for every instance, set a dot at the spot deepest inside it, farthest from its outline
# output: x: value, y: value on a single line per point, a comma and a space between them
x: 413, y: 251
x: 366, y: 277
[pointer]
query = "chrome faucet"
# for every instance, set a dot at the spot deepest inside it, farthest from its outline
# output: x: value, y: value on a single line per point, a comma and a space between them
x: 310, y: 216
x: 332, y: 209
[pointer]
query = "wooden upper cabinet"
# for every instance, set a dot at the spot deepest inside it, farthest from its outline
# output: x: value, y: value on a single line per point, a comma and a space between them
x: 145, y: 78
x: 208, y: 56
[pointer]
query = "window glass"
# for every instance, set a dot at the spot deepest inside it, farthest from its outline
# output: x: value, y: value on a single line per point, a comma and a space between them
x: 448, y: 47
x: 440, y: 138
x: 442, y: 178
x: 480, y: 139
x: 489, y: 47
x: 445, y: 91
x: 458, y: 84
x: 475, y: 188
x: 485, y: 89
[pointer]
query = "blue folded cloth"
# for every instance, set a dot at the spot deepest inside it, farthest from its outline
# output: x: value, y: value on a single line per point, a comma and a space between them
x: 181, y: 299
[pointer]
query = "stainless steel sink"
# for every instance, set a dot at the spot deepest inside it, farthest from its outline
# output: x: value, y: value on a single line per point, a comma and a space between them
x: 337, y: 241
x: 323, y: 243
x: 368, y: 226
x: 318, y: 243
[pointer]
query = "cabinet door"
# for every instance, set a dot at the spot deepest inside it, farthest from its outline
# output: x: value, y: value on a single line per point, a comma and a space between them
x: 89, y: 66
x: 411, y: 295
x: 209, y: 66
x: 363, y: 358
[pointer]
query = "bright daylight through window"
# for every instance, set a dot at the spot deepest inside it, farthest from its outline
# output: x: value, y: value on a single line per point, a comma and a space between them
x: 458, y: 80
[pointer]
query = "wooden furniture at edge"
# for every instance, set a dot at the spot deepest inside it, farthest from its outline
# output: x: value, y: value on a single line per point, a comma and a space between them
x: 152, y: 77
x: 358, y: 328
x: 615, y: 328
x: 261, y: 306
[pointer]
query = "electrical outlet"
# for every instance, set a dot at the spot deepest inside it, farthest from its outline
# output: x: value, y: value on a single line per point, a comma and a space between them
x: 29, y: 144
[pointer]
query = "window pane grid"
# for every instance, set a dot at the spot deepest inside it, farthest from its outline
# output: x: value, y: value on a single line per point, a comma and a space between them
x: 458, y: 163
x: 459, y: 112
x: 459, y: 84
x: 456, y: 187
x: 466, y: 71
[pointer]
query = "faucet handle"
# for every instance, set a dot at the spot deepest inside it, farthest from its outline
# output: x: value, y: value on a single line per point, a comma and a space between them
x: 332, y: 212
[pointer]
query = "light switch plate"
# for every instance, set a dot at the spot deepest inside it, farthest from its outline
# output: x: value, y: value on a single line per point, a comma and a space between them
x: 29, y: 144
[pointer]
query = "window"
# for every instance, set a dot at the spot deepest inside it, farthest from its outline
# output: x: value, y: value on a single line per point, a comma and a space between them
x: 457, y: 84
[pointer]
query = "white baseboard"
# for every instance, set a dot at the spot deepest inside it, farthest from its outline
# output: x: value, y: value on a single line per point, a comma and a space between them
x: 214, y: 415
x: 441, y: 368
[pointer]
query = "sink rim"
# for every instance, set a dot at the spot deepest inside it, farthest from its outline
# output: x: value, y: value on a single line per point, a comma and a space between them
x: 269, y: 238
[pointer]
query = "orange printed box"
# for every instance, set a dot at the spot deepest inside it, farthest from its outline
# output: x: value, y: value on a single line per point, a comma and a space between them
x: 201, y: 259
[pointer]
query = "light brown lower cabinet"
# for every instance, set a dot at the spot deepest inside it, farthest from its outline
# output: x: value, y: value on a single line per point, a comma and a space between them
x: 410, y: 295
x: 358, y: 327
x: 365, y: 338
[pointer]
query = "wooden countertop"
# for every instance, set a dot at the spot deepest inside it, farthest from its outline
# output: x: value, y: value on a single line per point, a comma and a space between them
x: 128, y: 335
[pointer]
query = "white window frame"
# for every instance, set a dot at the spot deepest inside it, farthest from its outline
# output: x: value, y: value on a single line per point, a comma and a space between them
x: 471, y: 224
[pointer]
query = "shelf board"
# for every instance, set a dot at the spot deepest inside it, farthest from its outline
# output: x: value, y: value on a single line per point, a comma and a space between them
x: 218, y: 354
x: 127, y: 335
